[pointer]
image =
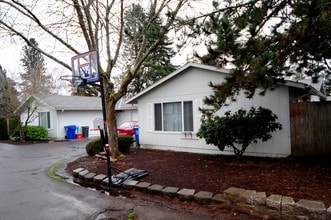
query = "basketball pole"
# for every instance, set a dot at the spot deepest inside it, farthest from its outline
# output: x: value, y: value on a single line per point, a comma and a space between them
x: 105, y: 131
x: 79, y: 68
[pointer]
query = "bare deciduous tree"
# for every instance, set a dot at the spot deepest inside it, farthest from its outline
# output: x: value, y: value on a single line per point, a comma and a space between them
x: 75, y: 26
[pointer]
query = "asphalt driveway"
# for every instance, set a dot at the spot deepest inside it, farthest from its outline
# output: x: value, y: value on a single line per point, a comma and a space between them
x: 27, y: 192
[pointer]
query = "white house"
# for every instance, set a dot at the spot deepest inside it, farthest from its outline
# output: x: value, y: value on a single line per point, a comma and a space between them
x: 169, y: 115
x: 54, y: 112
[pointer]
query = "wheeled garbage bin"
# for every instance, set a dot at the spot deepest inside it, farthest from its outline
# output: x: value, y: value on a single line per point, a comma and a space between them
x: 136, y: 135
x: 70, y: 131
x: 85, y: 130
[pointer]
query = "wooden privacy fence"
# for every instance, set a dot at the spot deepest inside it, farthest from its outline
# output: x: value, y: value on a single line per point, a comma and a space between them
x: 310, y: 128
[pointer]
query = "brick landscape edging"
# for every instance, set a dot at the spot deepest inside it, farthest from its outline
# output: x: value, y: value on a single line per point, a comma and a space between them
x: 246, y: 201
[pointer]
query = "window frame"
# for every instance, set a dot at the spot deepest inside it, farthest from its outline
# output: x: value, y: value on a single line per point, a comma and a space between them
x: 47, y: 119
x: 158, y: 116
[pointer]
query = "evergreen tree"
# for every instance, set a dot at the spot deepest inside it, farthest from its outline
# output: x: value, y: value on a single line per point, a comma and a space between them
x: 266, y: 41
x: 158, y: 64
x: 8, y: 95
x: 34, y: 78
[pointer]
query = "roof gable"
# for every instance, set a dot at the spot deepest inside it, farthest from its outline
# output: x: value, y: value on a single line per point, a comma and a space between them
x: 300, y: 85
x: 174, y: 74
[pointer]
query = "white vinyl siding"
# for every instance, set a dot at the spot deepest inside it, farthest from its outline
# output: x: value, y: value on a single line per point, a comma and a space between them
x: 149, y: 110
x: 197, y: 114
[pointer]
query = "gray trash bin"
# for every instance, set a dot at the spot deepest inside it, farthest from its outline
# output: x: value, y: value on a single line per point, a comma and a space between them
x: 85, y: 131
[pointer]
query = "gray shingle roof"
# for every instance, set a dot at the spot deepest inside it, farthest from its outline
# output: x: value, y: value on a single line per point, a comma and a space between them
x: 61, y: 102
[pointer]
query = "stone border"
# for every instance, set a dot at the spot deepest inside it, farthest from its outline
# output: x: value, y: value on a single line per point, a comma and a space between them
x: 246, y: 201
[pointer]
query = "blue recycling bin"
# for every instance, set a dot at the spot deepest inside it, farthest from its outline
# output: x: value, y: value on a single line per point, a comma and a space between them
x: 136, y: 134
x: 70, y: 131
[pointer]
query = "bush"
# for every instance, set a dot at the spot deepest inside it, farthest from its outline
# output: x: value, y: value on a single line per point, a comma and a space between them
x: 3, y: 129
x: 240, y: 129
x: 14, y: 124
x: 95, y: 146
x: 35, y: 133
x: 124, y: 143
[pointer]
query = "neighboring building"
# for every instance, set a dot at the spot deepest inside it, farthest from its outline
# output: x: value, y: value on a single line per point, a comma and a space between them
x: 54, y: 112
x: 307, y: 83
x: 125, y: 112
x: 169, y: 115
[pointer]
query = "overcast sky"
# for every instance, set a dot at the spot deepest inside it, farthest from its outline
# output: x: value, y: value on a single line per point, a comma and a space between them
x: 11, y: 53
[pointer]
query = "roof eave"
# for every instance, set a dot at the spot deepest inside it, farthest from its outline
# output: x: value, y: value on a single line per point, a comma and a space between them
x: 134, y: 99
x: 310, y: 88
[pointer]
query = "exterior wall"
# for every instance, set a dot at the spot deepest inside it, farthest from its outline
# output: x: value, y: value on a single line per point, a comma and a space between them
x: 59, y: 119
x: 52, y: 131
x: 192, y: 85
x: 127, y: 115
x: 78, y: 118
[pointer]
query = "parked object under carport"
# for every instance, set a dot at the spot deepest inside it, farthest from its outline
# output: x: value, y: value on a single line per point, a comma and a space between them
x: 85, y: 131
x: 70, y: 131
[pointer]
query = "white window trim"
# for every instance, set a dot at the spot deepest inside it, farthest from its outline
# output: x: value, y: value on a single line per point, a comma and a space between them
x: 152, y: 119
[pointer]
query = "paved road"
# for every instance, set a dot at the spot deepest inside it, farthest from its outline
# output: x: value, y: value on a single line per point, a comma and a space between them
x: 27, y: 192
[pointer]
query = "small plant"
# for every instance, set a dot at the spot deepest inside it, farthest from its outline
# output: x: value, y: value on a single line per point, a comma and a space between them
x: 36, y: 133
x: 132, y: 215
x: 240, y: 129
x: 52, y: 169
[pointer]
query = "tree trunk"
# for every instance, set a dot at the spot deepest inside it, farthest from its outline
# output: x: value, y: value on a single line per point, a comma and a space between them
x: 112, y: 126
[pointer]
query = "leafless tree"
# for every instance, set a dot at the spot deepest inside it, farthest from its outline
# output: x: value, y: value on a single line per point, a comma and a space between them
x: 76, y: 26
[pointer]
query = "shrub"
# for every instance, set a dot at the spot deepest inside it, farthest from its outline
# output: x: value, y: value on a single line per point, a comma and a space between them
x: 3, y: 129
x: 36, y: 133
x: 94, y: 147
x: 14, y: 124
x: 16, y: 132
x: 124, y: 143
x: 240, y: 129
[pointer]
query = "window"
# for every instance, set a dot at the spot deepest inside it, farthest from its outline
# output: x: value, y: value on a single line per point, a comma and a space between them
x: 188, y: 116
x: 158, y: 117
x: 173, y: 116
x: 44, y: 119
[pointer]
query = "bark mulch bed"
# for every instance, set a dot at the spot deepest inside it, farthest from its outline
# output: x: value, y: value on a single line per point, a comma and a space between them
x: 300, y: 178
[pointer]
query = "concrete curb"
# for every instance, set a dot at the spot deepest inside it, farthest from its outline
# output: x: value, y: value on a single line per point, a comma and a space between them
x: 246, y: 201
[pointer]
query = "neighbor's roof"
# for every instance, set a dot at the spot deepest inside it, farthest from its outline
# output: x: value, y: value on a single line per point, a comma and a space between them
x: 123, y: 105
x: 81, y: 103
x: 312, y: 88
x: 61, y: 102
x: 300, y: 85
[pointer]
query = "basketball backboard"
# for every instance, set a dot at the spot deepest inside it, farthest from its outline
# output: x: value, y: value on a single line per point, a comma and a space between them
x: 85, y: 67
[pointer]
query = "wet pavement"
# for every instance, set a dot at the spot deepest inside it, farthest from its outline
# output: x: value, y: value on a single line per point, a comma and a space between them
x: 27, y: 192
